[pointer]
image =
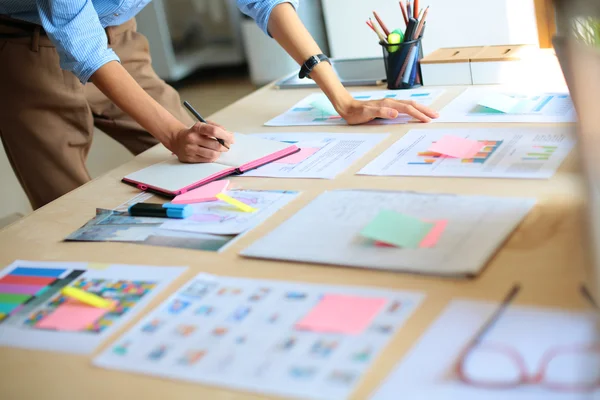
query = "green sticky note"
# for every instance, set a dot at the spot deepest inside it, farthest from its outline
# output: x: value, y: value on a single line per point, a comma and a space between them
x: 324, y: 105
x: 397, y: 229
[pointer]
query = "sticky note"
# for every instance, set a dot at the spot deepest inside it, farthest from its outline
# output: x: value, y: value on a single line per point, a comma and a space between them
x: 71, y: 317
x: 430, y: 240
x: 499, y: 102
x: 202, y: 194
x: 397, y: 229
x: 299, y: 156
x: 341, y: 314
x: 98, y: 266
x: 434, y: 234
x: 324, y: 105
x: 236, y: 203
x: 453, y: 146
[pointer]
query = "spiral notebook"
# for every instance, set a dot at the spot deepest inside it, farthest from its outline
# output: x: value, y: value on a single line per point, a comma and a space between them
x: 172, y: 177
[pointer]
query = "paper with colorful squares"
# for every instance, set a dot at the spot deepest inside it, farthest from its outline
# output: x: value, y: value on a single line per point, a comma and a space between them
x: 34, y: 314
x: 270, y: 337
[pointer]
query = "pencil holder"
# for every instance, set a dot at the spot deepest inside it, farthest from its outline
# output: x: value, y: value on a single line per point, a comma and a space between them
x: 402, y: 66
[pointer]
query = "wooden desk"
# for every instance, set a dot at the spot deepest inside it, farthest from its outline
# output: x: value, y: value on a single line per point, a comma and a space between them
x: 545, y: 254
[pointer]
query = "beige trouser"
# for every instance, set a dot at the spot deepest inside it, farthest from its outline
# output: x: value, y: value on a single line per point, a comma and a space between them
x: 47, y: 116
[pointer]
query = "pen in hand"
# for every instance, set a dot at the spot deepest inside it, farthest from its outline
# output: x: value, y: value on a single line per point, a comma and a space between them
x: 199, y: 118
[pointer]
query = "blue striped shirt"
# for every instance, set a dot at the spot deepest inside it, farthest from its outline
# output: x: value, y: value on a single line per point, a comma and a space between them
x: 76, y: 27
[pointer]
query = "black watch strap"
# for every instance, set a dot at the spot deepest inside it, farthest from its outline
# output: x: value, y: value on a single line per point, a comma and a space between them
x: 309, y: 64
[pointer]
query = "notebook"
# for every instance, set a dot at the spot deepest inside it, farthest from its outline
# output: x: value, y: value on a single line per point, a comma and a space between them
x: 172, y: 177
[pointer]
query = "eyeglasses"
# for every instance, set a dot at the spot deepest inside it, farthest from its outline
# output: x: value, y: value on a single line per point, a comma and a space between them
x: 559, y: 369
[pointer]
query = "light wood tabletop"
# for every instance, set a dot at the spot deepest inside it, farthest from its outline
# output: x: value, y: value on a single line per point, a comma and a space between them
x: 545, y: 254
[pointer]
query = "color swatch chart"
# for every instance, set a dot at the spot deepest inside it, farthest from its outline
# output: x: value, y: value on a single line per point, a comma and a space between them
x: 25, y: 285
x: 36, y: 314
x: 271, y: 337
x: 316, y: 109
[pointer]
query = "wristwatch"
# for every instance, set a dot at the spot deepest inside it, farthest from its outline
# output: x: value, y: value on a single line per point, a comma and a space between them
x: 309, y: 64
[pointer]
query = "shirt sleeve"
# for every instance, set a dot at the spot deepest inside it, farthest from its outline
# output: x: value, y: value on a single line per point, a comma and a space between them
x: 260, y: 10
x: 75, y: 29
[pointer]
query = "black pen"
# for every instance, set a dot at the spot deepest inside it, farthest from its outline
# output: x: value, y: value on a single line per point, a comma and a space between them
x: 199, y: 118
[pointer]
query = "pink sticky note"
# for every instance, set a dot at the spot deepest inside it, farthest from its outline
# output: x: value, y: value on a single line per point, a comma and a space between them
x: 428, y: 241
x: 203, y: 193
x: 342, y: 314
x: 434, y: 234
x: 457, y: 147
x: 71, y: 317
x: 299, y: 156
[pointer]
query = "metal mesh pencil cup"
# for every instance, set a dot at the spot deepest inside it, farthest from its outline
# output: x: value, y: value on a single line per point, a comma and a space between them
x: 402, y: 66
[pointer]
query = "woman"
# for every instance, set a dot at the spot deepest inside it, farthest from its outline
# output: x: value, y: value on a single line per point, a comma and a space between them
x: 70, y: 65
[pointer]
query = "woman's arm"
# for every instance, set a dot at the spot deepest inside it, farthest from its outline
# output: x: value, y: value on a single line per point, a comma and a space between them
x: 286, y: 27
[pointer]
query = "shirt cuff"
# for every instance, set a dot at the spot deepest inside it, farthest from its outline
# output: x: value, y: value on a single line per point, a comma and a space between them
x: 87, y: 68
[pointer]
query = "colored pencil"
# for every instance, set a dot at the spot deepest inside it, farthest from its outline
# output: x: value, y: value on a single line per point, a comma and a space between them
x: 383, y: 27
x: 378, y: 31
x: 416, y: 9
x: 421, y: 23
x: 403, y: 9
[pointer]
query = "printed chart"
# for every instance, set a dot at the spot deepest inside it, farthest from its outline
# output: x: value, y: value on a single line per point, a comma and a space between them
x: 525, y: 107
x: 272, y: 337
x: 532, y: 153
x: 317, y: 110
x: 323, y: 155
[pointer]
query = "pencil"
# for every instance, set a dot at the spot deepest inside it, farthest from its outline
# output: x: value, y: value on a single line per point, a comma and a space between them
x: 199, y: 118
x: 378, y: 31
x: 404, y: 15
x: 385, y: 29
x: 416, y: 9
x: 421, y: 23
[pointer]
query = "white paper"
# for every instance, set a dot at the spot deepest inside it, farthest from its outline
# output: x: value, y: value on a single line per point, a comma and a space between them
x: 305, y: 114
x: 427, y: 371
x: 251, y: 355
x: 326, y: 231
x: 249, y: 148
x: 532, y: 107
x: 15, y: 332
x: 336, y: 152
x: 526, y: 153
x: 220, y: 218
x: 500, y: 102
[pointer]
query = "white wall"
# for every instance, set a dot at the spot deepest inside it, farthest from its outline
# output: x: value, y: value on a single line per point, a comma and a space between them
x: 450, y: 23
x: 105, y: 155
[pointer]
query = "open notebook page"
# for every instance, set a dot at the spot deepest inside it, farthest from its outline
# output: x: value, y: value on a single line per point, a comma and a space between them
x: 173, y: 175
x: 249, y: 148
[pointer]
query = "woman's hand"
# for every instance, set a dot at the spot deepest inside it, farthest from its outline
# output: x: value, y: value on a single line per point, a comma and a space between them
x: 197, y: 144
x: 358, y: 112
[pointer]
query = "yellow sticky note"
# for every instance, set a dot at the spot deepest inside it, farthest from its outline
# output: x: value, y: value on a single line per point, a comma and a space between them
x: 235, y: 203
x: 86, y: 297
x: 100, y: 266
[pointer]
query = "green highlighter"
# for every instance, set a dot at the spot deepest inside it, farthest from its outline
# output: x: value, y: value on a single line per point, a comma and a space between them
x: 396, y: 37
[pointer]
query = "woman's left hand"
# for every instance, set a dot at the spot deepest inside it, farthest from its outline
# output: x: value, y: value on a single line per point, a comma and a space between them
x: 359, y: 112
